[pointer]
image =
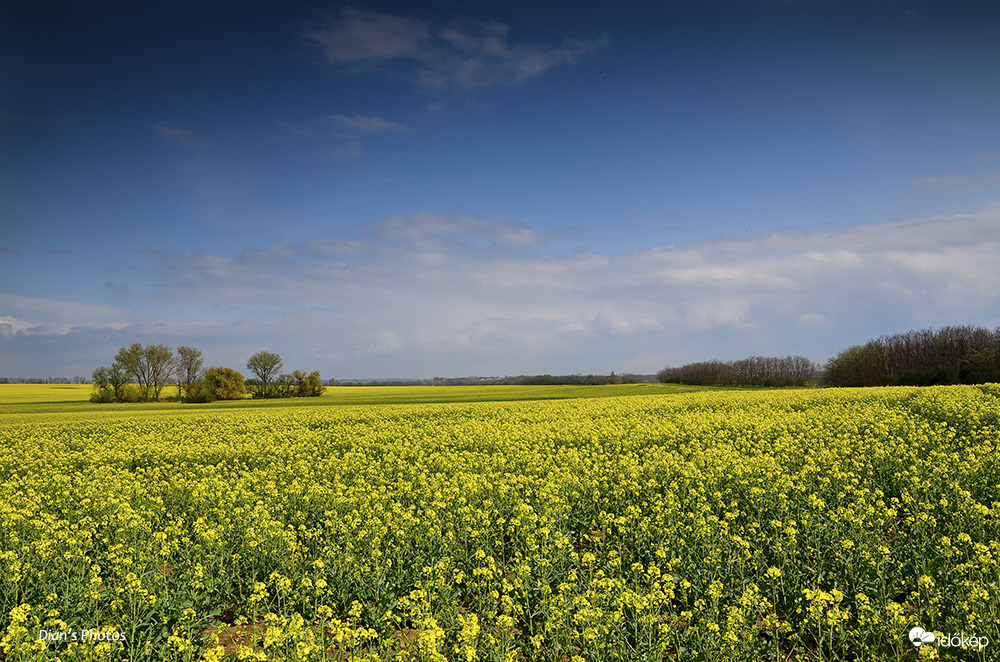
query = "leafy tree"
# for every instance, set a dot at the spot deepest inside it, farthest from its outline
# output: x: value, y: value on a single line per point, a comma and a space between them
x: 112, y: 384
x: 982, y: 367
x: 284, y: 387
x: 151, y: 366
x: 102, y: 391
x: 225, y: 383
x: 100, y: 377
x: 920, y: 358
x: 308, y: 386
x: 266, y: 365
x: 189, y: 365
x: 118, y: 380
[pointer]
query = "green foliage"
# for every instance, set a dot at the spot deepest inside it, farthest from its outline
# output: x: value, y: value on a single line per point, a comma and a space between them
x: 112, y: 385
x: 189, y: 365
x: 266, y: 366
x: 308, y: 386
x: 283, y: 387
x: 951, y: 355
x: 752, y: 371
x: 225, y: 383
x: 982, y: 367
x: 102, y: 395
x: 150, y: 366
x: 100, y: 377
x: 201, y: 391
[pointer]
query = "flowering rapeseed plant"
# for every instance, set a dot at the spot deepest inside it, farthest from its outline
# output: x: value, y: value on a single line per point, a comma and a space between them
x: 712, y: 526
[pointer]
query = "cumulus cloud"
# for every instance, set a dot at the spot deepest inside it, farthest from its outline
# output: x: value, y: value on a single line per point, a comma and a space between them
x: 463, y: 55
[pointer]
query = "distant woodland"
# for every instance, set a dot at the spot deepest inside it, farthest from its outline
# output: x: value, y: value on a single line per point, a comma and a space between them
x: 949, y: 355
x: 952, y: 355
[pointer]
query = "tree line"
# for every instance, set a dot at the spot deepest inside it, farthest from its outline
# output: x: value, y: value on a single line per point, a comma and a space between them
x: 951, y: 355
x: 751, y: 371
x: 141, y: 373
x: 43, y: 380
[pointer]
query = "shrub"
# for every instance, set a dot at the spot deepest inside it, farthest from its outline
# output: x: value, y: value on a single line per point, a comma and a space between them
x: 226, y: 383
x: 102, y: 395
x: 201, y: 390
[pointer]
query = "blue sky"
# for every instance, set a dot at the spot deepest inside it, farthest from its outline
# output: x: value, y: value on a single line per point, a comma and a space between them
x: 445, y: 189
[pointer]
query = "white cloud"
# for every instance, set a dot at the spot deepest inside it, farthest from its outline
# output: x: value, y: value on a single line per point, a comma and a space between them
x: 11, y: 326
x: 433, y: 281
x: 459, y: 294
x: 465, y: 54
x: 55, y: 309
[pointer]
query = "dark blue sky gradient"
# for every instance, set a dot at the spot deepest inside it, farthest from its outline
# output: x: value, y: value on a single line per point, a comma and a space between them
x: 509, y: 187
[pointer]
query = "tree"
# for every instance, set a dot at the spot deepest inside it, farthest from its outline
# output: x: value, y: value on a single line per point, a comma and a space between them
x: 982, y: 367
x: 284, y: 387
x: 118, y: 379
x: 111, y: 384
x: 132, y: 359
x: 101, y: 378
x: 308, y: 386
x: 266, y: 365
x: 151, y: 366
x: 102, y: 392
x: 189, y: 364
x: 225, y: 383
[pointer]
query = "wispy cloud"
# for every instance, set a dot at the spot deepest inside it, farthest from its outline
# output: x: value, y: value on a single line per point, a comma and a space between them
x: 347, y: 151
x: 958, y: 183
x: 343, y: 128
x: 464, y: 55
x: 171, y: 133
x: 365, y: 124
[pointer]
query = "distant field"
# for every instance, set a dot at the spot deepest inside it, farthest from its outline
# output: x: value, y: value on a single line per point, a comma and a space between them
x: 74, y: 398
x: 35, y: 393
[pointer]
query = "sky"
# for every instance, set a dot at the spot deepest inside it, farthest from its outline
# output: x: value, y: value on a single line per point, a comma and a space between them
x: 410, y: 190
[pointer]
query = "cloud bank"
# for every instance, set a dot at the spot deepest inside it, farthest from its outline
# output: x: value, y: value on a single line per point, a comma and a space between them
x: 458, y: 294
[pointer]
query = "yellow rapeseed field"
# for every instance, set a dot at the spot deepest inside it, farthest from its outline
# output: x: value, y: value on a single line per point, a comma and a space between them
x: 737, y: 525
